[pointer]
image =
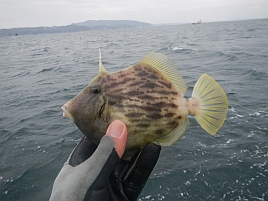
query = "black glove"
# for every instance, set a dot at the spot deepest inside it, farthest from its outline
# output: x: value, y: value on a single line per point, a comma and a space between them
x: 97, y: 174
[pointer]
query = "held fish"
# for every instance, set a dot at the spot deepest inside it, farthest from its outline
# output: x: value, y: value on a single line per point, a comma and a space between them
x: 148, y: 98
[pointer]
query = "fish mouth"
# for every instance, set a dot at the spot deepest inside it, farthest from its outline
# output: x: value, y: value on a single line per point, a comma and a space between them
x: 66, y: 113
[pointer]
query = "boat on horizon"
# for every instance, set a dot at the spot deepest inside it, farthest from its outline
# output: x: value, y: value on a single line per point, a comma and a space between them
x: 198, y: 22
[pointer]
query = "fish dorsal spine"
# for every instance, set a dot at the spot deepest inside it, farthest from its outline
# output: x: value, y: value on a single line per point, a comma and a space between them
x: 102, y: 70
x: 167, y: 67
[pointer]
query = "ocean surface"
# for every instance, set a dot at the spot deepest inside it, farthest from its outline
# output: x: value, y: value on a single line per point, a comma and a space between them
x: 39, y: 73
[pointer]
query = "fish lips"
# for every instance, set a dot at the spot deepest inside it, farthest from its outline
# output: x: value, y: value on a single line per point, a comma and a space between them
x: 66, y: 113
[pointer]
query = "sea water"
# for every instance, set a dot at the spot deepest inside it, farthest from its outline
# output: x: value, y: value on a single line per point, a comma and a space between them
x: 39, y: 73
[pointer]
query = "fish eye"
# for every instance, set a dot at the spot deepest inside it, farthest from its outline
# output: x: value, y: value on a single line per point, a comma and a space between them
x: 95, y: 89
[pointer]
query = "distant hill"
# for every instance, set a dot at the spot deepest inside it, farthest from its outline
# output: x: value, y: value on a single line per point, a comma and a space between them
x: 111, y: 24
x: 75, y: 27
x: 40, y: 30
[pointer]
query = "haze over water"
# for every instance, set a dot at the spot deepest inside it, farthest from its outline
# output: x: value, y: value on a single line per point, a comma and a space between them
x: 39, y: 73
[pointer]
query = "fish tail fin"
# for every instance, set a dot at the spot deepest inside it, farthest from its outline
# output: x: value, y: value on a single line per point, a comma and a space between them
x: 212, y: 104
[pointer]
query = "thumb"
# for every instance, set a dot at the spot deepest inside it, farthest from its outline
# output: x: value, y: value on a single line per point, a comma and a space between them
x: 118, y: 132
x: 111, y: 146
x: 97, y: 169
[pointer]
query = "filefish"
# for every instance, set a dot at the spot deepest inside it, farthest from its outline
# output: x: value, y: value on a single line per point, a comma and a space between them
x: 149, y: 98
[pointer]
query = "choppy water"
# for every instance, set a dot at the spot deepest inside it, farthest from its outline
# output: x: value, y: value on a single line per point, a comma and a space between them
x: 39, y: 73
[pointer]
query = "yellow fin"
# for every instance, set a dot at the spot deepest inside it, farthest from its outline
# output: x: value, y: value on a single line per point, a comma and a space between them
x: 106, y: 111
x: 174, y: 135
x: 166, y: 66
x: 213, y: 104
x: 102, y: 70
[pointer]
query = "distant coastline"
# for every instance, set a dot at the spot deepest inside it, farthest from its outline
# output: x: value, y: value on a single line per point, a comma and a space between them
x: 93, y: 25
x: 74, y: 27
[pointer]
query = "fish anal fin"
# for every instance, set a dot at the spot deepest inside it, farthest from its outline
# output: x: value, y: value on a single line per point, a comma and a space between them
x: 174, y: 136
x: 167, y: 67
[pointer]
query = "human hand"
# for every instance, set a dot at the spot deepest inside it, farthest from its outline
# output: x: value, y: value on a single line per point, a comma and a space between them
x: 97, y: 173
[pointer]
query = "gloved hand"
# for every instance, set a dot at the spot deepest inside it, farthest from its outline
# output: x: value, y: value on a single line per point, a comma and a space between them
x: 97, y: 173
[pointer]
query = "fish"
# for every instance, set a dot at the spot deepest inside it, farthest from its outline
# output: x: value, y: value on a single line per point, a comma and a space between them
x: 149, y: 98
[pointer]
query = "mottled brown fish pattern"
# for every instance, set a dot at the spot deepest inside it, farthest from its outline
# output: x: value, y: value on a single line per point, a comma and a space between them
x: 146, y: 99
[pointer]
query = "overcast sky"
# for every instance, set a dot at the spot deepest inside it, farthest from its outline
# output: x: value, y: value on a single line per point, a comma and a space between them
x: 32, y: 13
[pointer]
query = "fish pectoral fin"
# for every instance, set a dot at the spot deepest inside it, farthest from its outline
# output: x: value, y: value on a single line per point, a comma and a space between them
x: 212, y: 103
x: 104, y: 111
x: 167, y: 67
x: 174, y: 136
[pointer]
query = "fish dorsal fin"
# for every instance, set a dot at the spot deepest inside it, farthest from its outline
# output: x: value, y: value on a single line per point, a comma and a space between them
x: 102, y: 70
x: 166, y: 66
x: 174, y: 136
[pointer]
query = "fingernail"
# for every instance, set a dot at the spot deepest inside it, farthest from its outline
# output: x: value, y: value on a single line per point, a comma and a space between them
x: 115, y: 129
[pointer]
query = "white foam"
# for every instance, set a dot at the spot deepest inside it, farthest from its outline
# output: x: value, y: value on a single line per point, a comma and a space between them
x: 177, y: 48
